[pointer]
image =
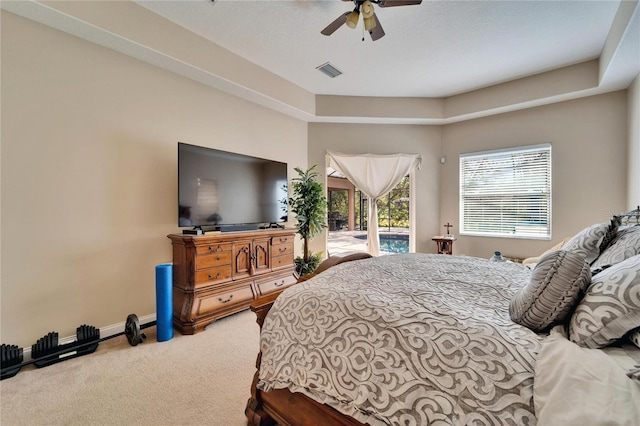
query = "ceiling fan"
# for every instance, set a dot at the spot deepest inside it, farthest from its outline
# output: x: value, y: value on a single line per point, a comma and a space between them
x: 371, y: 22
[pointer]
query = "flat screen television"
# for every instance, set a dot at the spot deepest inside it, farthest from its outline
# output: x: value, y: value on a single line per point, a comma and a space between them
x: 219, y: 190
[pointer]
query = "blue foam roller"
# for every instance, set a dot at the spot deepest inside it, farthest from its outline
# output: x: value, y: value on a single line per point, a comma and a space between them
x: 164, y: 302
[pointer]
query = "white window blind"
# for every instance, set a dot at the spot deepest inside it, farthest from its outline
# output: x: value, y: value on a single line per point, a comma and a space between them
x: 207, y: 200
x: 506, y: 193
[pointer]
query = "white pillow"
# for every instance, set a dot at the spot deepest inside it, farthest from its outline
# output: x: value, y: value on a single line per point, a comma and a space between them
x: 579, y: 386
x: 535, y: 259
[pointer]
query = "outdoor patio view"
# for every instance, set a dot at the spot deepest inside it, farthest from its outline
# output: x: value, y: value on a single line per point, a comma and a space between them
x: 347, y: 217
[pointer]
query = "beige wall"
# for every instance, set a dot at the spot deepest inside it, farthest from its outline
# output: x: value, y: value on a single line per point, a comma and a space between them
x: 388, y: 139
x: 589, y: 168
x: 89, y: 171
x: 89, y: 191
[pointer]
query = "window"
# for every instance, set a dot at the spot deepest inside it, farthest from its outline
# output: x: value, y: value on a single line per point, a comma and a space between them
x: 207, y: 201
x: 506, y: 193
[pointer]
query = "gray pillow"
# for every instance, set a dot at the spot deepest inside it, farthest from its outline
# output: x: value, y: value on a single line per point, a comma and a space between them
x: 610, y: 308
x: 625, y: 245
x: 610, y: 234
x: 587, y: 242
x: 557, y: 282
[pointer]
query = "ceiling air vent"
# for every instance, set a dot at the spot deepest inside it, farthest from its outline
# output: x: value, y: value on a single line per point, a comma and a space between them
x: 329, y: 70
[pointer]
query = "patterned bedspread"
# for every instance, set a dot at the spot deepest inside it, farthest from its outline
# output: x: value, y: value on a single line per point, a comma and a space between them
x: 409, y: 339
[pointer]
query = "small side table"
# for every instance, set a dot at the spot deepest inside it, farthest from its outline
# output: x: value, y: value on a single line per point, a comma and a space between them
x: 445, y: 244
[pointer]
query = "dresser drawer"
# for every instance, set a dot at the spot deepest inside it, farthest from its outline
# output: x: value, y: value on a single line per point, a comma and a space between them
x: 212, y: 275
x: 212, y: 260
x: 282, y: 261
x: 279, y: 240
x: 282, y: 249
x: 225, y: 299
x: 275, y: 283
x: 213, y: 248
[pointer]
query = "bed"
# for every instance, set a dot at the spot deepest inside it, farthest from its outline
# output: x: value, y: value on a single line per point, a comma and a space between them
x: 434, y: 339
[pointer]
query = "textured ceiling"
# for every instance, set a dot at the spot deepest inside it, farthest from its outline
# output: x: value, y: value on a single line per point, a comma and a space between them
x: 438, y: 48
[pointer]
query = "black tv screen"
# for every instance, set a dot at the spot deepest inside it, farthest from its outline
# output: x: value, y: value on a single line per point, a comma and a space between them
x: 218, y: 188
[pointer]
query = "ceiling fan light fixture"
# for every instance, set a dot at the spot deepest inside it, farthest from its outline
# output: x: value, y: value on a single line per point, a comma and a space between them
x: 369, y: 23
x: 367, y: 9
x: 352, y: 20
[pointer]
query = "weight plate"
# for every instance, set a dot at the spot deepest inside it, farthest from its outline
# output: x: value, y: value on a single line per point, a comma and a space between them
x: 132, y: 330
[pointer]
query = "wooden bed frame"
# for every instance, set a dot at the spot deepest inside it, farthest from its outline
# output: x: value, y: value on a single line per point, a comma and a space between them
x: 282, y: 406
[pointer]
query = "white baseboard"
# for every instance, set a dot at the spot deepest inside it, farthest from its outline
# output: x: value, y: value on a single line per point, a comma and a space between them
x: 108, y: 331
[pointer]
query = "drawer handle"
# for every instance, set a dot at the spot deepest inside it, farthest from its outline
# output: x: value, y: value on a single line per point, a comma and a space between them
x: 279, y: 284
x: 216, y: 277
x: 228, y: 299
x: 218, y: 258
x: 283, y: 240
x: 282, y: 249
x: 215, y: 249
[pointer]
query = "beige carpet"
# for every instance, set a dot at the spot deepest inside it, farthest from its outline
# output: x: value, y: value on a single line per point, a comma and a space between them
x: 202, y: 379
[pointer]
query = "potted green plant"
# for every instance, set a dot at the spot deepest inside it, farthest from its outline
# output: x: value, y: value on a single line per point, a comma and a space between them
x: 309, y: 204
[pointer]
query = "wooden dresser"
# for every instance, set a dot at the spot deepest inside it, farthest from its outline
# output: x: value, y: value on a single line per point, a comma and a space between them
x: 215, y: 275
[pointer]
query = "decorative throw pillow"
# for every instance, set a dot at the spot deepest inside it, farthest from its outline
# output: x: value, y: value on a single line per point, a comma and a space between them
x: 587, y: 242
x: 625, y: 245
x: 556, y: 284
x: 610, y: 234
x: 610, y: 308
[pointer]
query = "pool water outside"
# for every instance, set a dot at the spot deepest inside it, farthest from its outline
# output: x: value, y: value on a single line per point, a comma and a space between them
x: 391, y: 243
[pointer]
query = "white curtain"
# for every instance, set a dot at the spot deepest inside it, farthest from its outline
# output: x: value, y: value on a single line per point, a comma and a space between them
x: 375, y: 175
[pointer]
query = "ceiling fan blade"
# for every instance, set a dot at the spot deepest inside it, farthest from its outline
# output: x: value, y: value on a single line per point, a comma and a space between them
x: 391, y: 3
x: 330, y: 29
x: 376, y: 32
